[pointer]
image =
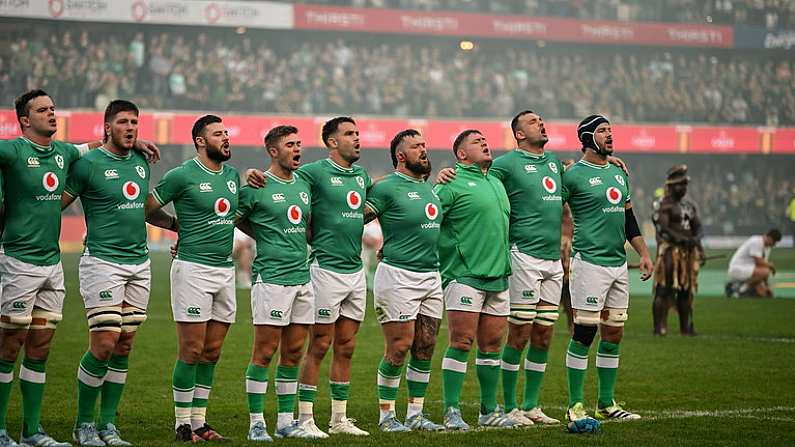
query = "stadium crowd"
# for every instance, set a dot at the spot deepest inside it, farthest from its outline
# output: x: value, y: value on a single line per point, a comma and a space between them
x: 768, y: 13
x: 87, y: 66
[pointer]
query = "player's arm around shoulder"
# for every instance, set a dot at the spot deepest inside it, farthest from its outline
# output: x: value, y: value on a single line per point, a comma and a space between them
x: 77, y: 181
x: 377, y: 199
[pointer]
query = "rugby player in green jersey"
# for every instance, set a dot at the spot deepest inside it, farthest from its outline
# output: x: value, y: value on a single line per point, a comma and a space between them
x: 204, y: 191
x: 282, y: 299
x: 407, y: 285
x: 112, y: 183
x: 475, y: 265
x: 34, y: 168
x: 339, y: 188
x: 598, y: 195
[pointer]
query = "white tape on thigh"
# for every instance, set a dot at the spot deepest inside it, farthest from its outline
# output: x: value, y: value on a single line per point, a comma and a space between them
x: 616, y: 317
x: 131, y: 318
x: 586, y: 318
x: 16, y: 322
x: 44, y: 319
x: 104, y: 319
x: 546, y: 315
x: 522, y: 314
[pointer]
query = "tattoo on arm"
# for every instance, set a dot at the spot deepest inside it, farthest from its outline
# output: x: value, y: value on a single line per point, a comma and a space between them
x: 425, y: 331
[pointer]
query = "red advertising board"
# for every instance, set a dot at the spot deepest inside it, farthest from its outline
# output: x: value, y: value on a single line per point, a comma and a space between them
x: 9, y: 128
x: 725, y: 140
x: 783, y: 141
x: 510, y: 27
x: 89, y: 126
x: 629, y: 138
x: 243, y: 130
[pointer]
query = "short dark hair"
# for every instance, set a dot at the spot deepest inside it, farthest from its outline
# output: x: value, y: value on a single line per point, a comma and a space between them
x: 201, y: 124
x: 22, y: 102
x: 460, y: 139
x: 115, y: 107
x: 399, y: 139
x: 277, y: 133
x: 515, y: 120
x: 331, y: 126
x: 774, y: 234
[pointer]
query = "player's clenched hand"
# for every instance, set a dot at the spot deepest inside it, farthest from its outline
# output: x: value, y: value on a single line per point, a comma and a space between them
x: 256, y: 178
x: 620, y: 163
x: 149, y: 149
x: 646, y: 267
x: 174, y: 249
x: 446, y: 175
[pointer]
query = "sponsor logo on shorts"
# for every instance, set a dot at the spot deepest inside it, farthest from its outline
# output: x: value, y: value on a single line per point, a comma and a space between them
x: 528, y: 293
x: 50, y: 181
x: 222, y: 207
x: 276, y: 314
x: 205, y: 187
x: 613, y: 195
x: 294, y: 214
x: 105, y: 295
x: 466, y: 300
x: 404, y: 317
x: 131, y: 190
x: 324, y: 313
x: 141, y: 171
x: 33, y: 162
x: 553, y: 167
x: 549, y: 184
x: 380, y: 314
x: 59, y: 161
x: 111, y: 174
x: 354, y: 200
x: 591, y: 300
x: 193, y: 311
x: 19, y: 305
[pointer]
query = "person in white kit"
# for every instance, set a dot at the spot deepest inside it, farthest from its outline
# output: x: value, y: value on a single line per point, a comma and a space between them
x: 749, y: 266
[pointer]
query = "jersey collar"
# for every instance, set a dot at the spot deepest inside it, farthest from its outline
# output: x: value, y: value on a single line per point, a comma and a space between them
x: 471, y: 167
x: 524, y: 153
x: 336, y: 166
x: 114, y: 156
x: 591, y: 165
x: 408, y: 177
x: 37, y: 146
x: 278, y: 179
x: 206, y: 169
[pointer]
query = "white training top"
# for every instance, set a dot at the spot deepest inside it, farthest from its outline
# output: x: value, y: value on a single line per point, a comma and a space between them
x: 744, y: 256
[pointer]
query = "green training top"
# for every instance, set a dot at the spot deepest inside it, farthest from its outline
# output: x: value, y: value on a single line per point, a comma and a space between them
x: 34, y: 177
x: 206, y: 202
x: 279, y: 215
x: 338, y: 195
x: 473, y: 245
x: 112, y: 190
x: 409, y: 213
x: 533, y: 184
x: 596, y: 195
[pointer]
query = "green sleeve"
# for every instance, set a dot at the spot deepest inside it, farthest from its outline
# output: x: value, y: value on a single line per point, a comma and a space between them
x: 307, y: 173
x: 71, y: 154
x: 376, y: 198
x: 170, y: 186
x: 368, y: 181
x: 445, y: 194
x: 78, y: 177
x: 566, y: 186
x: 498, y: 170
x: 245, y: 201
x: 629, y: 190
x: 8, y: 152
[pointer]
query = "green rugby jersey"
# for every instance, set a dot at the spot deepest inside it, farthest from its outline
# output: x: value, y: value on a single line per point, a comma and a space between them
x: 206, y: 202
x: 34, y: 178
x: 473, y: 244
x: 596, y: 195
x: 278, y: 214
x: 533, y: 184
x: 112, y: 190
x: 409, y: 213
x: 338, y: 196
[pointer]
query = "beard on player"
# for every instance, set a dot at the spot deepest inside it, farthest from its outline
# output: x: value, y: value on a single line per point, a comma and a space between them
x: 219, y: 152
x: 421, y: 166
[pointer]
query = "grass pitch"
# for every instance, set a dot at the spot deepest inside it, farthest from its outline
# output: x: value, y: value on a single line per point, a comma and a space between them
x: 731, y: 385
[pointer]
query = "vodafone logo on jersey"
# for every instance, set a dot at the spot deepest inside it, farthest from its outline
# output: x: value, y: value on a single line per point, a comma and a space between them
x: 131, y: 190
x: 222, y: 207
x: 354, y: 200
x: 294, y: 214
x: 613, y: 195
x: 50, y: 182
x: 431, y: 211
x: 549, y: 184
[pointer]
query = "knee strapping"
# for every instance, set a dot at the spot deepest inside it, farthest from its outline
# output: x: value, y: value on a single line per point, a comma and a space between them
x: 584, y: 334
x: 131, y: 318
x: 616, y: 317
x: 16, y: 321
x: 44, y: 319
x: 104, y: 319
x: 546, y: 315
x: 522, y: 314
x: 586, y: 318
